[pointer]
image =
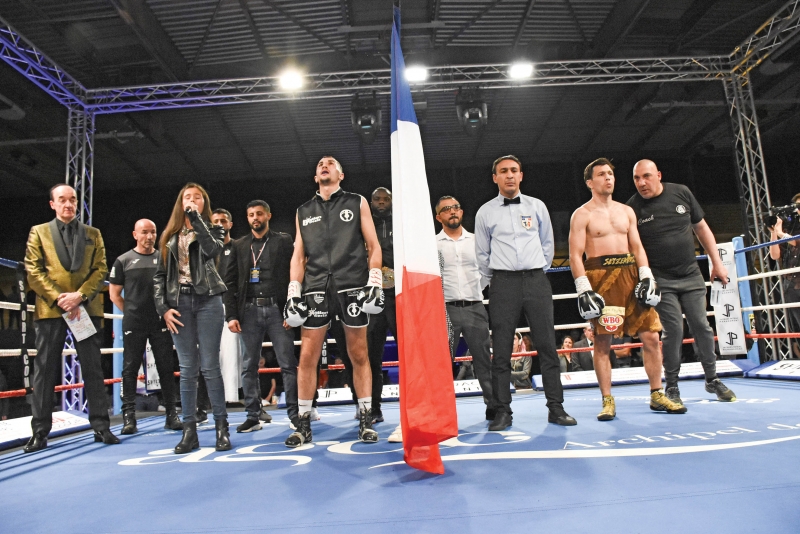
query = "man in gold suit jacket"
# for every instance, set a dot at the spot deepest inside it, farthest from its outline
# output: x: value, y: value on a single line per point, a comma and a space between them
x: 66, y: 265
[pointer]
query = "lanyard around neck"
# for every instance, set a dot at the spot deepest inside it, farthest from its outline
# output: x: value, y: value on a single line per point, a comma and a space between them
x: 253, y: 254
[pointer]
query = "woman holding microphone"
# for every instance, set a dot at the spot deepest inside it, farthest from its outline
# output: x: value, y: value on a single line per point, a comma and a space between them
x: 188, y: 295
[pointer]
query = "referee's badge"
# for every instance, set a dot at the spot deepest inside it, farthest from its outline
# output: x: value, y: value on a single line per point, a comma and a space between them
x: 527, y: 221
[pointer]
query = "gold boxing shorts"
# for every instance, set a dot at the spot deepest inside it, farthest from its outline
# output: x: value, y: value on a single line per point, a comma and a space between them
x: 614, y: 278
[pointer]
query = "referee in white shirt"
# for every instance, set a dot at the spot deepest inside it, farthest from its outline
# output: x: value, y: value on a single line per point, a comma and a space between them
x: 463, y: 295
x: 514, y: 245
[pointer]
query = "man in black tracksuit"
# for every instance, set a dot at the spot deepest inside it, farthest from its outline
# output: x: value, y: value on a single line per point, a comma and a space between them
x: 381, y: 206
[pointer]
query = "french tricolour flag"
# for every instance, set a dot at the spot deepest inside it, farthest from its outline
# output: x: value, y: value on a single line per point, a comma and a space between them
x: 427, y: 398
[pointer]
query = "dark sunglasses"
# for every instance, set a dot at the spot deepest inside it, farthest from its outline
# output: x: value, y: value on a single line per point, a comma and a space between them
x: 446, y: 209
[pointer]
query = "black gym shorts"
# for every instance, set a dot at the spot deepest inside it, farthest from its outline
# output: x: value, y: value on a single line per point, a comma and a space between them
x: 323, y: 305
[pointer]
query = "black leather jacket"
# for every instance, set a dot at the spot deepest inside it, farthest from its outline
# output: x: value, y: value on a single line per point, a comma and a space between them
x: 202, y: 257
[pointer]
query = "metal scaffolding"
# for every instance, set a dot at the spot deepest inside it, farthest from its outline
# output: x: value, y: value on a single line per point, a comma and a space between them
x: 448, y: 78
x: 732, y: 70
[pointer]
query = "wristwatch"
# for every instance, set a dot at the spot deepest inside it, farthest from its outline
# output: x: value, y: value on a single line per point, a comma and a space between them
x: 84, y: 298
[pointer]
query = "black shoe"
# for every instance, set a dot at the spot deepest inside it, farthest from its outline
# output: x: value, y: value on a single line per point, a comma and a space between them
x: 303, y: 432
x: 248, y: 426
x: 201, y: 417
x: 36, y: 443
x: 501, y: 421
x: 491, y: 413
x: 377, y: 416
x: 189, y: 441
x: 223, y: 437
x: 560, y: 417
x: 129, y: 423
x: 173, y: 422
x: 365, y: 431
x: 264, y: 417
x: 106, y: 437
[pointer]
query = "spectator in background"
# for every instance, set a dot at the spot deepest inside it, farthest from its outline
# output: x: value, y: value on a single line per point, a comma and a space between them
x: 564, y: 359
x: 788, y: 254
x: 520, y: 365
x: 338, y: 378
x: 623, y: 356
x: 583, y: 361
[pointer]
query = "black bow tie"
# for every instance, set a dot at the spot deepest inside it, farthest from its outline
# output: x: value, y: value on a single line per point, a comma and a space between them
x: 507, y: 201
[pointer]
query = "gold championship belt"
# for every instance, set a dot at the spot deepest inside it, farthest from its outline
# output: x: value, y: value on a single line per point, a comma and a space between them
x: 388, y: 277
x: 612, y: 318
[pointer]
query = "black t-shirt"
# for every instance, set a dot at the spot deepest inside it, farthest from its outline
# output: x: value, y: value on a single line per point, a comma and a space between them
x: 665, y: 226
x: 134, y: 272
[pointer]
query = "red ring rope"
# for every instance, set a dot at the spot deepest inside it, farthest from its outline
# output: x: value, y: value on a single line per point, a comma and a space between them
x: 21, y: 392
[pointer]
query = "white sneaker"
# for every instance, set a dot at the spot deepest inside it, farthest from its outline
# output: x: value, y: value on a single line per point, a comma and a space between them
x: 396, y: 436
x: 315, y: 415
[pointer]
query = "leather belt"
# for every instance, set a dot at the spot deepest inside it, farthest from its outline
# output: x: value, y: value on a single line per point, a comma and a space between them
x: 262, y: 301
x: 516, y: 273
x: 464, y: 303
x: 186, y: 290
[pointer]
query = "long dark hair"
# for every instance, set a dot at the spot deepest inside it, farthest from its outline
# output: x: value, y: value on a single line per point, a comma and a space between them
x: 177, y: 219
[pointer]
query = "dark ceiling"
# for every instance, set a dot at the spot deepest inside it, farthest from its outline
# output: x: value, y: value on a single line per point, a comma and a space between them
x: 106, y: 43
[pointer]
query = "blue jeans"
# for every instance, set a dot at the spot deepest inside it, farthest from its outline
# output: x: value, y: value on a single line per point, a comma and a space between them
x: 197, y: 344
x: 257, y: 321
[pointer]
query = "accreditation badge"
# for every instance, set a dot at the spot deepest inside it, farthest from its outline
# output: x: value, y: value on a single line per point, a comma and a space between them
x: 612, y: 318
x: 527, y: 221
x: 255, y: 275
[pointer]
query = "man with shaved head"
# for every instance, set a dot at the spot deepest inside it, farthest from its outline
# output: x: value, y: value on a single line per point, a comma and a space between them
x: 66, y: 264
x: 133, y: 272
x: 668, y: 217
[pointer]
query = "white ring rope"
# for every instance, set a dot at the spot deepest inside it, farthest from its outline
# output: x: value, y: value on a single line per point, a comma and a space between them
x: 564, y: 296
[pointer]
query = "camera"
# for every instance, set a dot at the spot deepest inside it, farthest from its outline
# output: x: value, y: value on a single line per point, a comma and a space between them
x: 788, y: 214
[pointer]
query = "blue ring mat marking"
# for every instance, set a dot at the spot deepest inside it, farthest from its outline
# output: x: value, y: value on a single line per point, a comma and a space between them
x: 720, y: 466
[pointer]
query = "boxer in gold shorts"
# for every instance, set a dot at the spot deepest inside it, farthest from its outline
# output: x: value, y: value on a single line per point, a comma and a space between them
x: 613, y: 293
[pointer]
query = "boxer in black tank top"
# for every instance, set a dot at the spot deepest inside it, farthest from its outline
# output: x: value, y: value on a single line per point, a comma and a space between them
x: 335, y: 270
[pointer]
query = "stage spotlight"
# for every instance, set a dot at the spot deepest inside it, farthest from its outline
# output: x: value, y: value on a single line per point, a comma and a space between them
x: 291, y: 80
x: 365, y: 115
x: 416, y: 74
x: 519, y: 71
x: 473, y: 114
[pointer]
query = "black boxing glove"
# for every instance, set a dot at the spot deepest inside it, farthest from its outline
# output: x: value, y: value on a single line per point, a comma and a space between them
x: 646, y: 291
x: 590, y: 303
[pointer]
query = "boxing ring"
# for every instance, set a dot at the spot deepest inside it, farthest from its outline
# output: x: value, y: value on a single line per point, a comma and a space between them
x: 720, y: 464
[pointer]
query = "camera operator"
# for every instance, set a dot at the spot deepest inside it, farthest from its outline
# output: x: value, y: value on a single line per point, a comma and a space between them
x: 789, y: 253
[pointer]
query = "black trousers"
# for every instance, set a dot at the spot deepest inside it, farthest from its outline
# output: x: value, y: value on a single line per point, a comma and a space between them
x: 376, y: 342
x: 510, y: 293
x: 50, y: 337
x: 473, y: 323
x: 132, y: 357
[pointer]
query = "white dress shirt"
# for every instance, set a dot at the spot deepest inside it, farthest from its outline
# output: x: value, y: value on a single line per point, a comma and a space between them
x: 513, y: 237
x: 460, y: 277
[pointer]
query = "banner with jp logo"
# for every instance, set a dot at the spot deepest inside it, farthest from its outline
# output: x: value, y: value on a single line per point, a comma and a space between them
x: 727, y: 310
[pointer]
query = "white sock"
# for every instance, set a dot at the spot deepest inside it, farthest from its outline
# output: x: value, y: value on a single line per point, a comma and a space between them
x: 304, y: 406
x: 365, y: 403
